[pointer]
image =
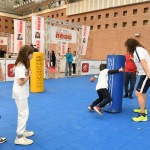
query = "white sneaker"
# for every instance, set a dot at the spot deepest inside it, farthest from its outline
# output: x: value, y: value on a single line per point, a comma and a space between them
x: 23, y: 141
x: 28, y: 133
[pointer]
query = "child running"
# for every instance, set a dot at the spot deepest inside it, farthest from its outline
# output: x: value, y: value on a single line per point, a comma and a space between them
x: 21, y: 93
x: 102, y: 89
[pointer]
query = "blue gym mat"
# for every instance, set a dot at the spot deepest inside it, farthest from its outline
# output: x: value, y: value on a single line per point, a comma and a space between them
x: 61, y: 121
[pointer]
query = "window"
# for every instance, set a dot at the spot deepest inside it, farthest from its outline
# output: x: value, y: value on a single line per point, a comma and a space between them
x: 145, y: 22
x: 146, y: 10
x: 85, y: 18
x: 62, y: 14
x: 115, y: 25
x: 72, y: 20
x: 107, y: 15
x: 12, y: 21
x: 134, y: 11
x: 134, y: 23
x: 125, y: 13
x: 124, y: 24
x: 12, y: 28
x: 98, y: 26
x: 0, y: 19
x: 115, y: 14
x: 91, y: 27
x: 106, y: 26
x: 57, y: 15
x: 78, y: 19
x: 99, y: 16
x: 6, y: 27
x: 0, y: 26
x: 92, y: 17
x: 6, y: 20
x: 52, y: 16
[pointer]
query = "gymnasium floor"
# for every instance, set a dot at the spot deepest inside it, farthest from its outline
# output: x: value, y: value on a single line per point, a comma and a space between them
x: 61, y: 121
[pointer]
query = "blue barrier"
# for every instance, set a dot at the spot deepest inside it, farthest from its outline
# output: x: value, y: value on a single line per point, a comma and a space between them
x: 115, y: 83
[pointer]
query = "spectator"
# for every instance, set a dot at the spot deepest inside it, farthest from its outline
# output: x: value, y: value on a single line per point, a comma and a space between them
x: 2, y: 53
x: 35, y: 49
x: 74, y: 63
x: 69, y: 59
x: 53, y: 59
x: 20, y: 93
x: 129, y: 75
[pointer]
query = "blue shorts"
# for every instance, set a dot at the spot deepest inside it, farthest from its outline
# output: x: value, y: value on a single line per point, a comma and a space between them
x: 144, y: 84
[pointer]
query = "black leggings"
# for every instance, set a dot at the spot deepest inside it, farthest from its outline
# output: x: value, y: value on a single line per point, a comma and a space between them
x: 104, y: 98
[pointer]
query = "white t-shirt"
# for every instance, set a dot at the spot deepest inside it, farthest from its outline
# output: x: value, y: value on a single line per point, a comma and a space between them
x: 143, y: 54
x: 102, y: 80
x: 20, y: 92
x: 74, y: 59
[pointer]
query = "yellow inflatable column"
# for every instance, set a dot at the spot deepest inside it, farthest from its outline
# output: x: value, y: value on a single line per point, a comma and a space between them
x: 37, y: 76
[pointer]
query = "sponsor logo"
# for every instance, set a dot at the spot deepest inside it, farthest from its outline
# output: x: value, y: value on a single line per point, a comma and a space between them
x: 11, y: 70
x: 85, y: 67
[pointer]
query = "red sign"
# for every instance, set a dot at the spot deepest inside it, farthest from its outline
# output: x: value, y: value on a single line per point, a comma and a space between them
x: 85, y: 67
x: 11, y: 70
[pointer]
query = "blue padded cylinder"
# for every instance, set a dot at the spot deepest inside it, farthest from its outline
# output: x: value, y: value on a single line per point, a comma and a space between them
x: 115, y: 83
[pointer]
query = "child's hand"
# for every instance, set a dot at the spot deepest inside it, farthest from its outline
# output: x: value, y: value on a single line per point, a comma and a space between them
x: 121, y: 69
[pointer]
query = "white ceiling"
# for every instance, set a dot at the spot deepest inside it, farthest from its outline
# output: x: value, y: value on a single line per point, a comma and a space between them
x: 7, y: 6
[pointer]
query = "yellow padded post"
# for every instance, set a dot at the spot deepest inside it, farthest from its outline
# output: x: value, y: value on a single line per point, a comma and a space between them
x: 37, y: 76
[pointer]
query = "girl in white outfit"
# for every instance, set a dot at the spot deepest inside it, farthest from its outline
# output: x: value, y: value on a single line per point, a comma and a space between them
x: 21, y: 93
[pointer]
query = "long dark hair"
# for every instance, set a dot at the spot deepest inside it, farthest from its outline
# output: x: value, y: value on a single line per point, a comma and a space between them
x: 131, y: 45
x: 22, y: 58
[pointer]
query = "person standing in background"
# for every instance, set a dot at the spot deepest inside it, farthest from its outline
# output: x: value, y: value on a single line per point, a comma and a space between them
x: 142, y: 61
x: 53, y: 59
x: 2, y: 53
x: 74, y: 63
x: 129, y: 75
x: 20, y: 93
x: 69, y: 59
x: 2, y: 139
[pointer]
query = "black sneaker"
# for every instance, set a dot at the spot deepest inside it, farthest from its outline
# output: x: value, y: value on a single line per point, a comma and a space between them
x: 125, y: 96
x: 2, y: 140
x: 130, y: 96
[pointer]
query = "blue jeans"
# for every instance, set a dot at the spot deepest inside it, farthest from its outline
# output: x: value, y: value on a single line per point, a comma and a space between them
x: 68, y: 66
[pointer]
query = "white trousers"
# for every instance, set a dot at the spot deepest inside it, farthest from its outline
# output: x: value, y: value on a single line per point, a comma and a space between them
x: 23, y: 114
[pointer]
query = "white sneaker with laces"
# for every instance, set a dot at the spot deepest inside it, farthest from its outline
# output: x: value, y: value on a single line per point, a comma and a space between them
x: 23, y: 141
x: 28, y: 133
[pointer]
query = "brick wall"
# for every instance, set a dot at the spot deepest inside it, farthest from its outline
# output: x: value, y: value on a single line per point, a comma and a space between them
x: 109, y: 28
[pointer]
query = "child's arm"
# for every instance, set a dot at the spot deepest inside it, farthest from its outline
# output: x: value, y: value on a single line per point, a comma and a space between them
x: 115, y: 71
x: 21, y: 81
x: 1, y: 73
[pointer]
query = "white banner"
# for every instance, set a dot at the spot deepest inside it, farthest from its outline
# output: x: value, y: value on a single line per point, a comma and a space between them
x: 63, y: 48
x: 90, y: 67
x: 19, y: 34
x: 3, y: 40
x: 12, y: 43
x: 58, y: 34
x: 38, y: 32
x: 85, y: 35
